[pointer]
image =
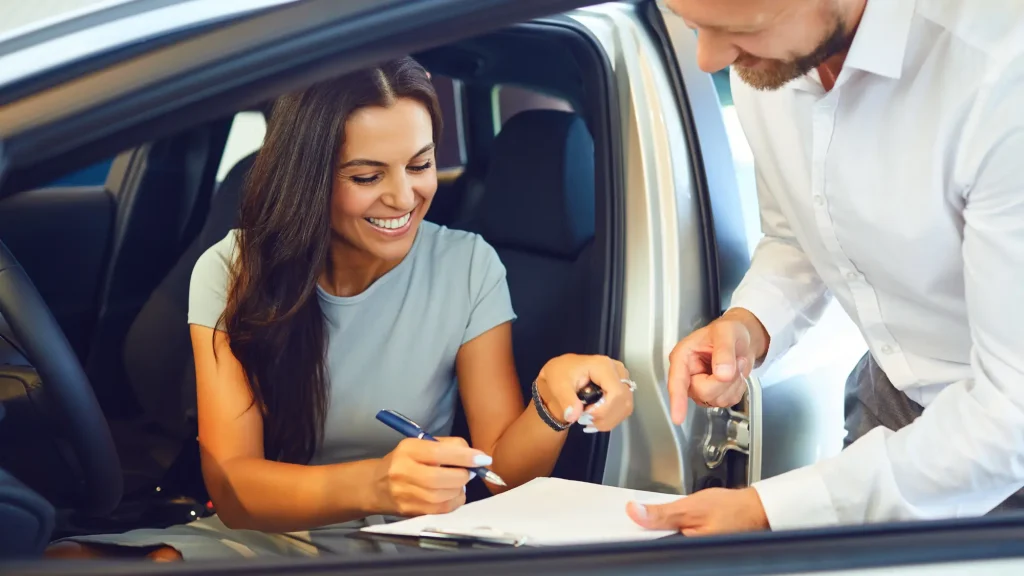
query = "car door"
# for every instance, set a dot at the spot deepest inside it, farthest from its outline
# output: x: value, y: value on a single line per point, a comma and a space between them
x: 675, y: 271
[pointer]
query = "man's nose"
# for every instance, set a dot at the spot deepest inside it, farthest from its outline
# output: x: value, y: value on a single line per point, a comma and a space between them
x: 714, y: 52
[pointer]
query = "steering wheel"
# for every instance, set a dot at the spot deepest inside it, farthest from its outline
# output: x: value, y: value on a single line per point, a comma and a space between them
x: 68, y: 394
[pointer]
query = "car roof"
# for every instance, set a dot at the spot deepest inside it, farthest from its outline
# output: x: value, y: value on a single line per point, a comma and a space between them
x: 100, y: 26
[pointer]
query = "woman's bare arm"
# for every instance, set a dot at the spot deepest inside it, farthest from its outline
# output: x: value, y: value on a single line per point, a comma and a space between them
x: 523, y: 446
x: 249, y: 491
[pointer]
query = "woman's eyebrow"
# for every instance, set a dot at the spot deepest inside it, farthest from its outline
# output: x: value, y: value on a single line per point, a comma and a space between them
x: 424, y: 150
x: 362, y: 162
x: 378, y: 163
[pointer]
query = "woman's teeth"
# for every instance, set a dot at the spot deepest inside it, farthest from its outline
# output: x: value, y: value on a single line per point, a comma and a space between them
x: 390, y: 223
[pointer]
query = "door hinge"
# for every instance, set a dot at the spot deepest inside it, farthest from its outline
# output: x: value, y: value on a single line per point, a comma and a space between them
x: 726, y: 430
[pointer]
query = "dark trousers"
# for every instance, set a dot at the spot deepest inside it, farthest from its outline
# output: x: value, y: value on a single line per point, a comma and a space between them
x: 872, y: 401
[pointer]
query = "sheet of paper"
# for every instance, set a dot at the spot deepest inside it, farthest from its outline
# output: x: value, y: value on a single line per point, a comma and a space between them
x: 549, y: 512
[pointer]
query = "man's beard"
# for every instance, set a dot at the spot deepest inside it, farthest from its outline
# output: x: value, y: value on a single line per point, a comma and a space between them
x: 778, y: 73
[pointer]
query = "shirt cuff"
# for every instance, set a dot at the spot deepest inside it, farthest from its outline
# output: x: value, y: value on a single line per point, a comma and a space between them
x: 772, y: 310
x: 797, y: 499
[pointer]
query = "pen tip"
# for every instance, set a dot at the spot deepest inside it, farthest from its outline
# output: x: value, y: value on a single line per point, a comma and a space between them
x: 494, y: 479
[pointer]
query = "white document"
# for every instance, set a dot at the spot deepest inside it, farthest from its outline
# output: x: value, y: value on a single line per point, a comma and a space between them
x: 546, y: 512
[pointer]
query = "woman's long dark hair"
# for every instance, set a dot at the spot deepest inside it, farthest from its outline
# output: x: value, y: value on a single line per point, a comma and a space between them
x: 273, y: 319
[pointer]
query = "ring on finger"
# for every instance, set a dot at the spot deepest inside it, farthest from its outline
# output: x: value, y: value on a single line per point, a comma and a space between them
x: 630, y: 383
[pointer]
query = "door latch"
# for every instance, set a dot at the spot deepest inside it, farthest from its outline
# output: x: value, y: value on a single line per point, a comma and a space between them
x: 726, y: 430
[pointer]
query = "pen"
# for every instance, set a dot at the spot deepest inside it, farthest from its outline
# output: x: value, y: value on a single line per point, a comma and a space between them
x: 410, y: 429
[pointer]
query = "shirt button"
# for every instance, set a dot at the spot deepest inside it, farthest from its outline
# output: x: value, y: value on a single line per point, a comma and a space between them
x: 852, y: 276
x: 818, y: 200
x: 886, y: 349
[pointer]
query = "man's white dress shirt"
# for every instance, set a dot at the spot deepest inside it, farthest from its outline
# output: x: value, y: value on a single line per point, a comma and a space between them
x: 900, y: 192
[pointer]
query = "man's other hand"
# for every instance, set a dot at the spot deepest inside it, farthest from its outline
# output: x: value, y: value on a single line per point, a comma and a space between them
x: 710, y: 511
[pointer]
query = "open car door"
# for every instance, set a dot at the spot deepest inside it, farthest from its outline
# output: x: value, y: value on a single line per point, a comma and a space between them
x: 687, y: 249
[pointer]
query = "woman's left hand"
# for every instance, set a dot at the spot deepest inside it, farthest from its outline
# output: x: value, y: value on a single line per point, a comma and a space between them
x: 562, y: 377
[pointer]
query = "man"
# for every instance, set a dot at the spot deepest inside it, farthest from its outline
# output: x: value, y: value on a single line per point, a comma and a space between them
x: 888, y: 138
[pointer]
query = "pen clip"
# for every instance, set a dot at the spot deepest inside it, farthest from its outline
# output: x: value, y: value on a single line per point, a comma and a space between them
x: 402, y: 418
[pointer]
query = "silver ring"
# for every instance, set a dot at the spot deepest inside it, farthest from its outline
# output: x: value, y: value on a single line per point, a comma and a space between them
x: 630, y: 383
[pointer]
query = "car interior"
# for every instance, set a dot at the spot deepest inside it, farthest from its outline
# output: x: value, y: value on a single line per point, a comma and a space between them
x: 112, y: 260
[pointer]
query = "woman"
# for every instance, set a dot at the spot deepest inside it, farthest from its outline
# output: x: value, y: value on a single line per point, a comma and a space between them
x: 335, y: 299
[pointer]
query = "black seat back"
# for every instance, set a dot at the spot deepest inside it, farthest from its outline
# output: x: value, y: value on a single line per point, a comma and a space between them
x: 537, y: 211
x: 158, y: 349
x: 156, y: 197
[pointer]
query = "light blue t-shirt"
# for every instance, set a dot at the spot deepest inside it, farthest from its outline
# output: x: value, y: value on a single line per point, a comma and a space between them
x: 394, y: 345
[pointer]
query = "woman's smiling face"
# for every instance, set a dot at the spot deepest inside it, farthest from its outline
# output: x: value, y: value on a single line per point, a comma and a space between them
x: 386, y: 178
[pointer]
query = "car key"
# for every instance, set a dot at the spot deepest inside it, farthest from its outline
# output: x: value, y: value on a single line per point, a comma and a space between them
x: 590, y: 394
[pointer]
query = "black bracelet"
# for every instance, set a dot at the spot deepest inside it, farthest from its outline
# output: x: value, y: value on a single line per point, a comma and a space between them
x: 543, y: 412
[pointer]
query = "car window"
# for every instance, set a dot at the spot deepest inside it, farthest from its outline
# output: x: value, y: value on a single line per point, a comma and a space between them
x: 510, y: 100
x: 451, y: 151
x: 248, y: 129
x: 743, y: 159
x: 246, y: 136
x: 94, y: 175
x: 723, y: 86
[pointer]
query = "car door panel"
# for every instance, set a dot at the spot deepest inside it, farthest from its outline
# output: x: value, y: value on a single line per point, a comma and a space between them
x: 664, y: 244
x: 687, y: 249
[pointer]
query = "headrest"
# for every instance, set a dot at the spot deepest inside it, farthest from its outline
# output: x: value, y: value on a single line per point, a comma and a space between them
x: 539, y: 189
x: 224, y: 205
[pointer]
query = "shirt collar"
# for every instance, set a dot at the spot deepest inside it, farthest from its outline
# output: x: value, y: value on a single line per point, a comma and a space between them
x: 881, y: 41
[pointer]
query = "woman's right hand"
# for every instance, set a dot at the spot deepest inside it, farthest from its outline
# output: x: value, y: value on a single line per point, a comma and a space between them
x: 423, y: 477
